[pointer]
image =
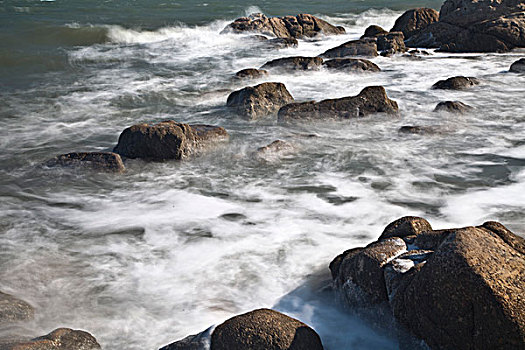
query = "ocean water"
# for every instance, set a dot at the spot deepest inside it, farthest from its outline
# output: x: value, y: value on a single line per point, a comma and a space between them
x: 167, y: 249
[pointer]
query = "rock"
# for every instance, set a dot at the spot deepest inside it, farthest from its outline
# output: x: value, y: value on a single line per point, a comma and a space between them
x: 251, y: 73
x: 199, y: 341
x: 453, y: 107
x: 14, y: 310
x: 300, y: 26
x: 101, y: 161
x: 419, y: 52
x: 59, y: 339
x: 282, y: 43
x: 518, y: 66
x: 467, y: 295
x: 258, y: 101
x: 295, y: 63
x: 372, y: 99
x: 353, y: 64
x: 418, y: 130
x: 464, y: 13
x: 433, y: 36
x: 391, y: 43
x: 275, y: 150
x: 413, y: 21
x: 456, y: 83
x: 167, y: 140
x: 264, y: 329
x: 361, y: 47
x: 406, y: 226
x: 373, y: 31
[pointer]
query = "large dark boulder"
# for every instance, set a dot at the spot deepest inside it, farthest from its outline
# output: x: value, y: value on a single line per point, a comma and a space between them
x: 391, y: 43
x: 361, y: 47
x: 300, y: 26
x: 372, y: 99
x: 518, y: 66
x: 254, y: 102
x: 251, y: 73
x: 464, y: 13
x: 413, y: 21
x: 167, y: 140
x: 100, y: 161
x: 434, y: 35
x: 59, y: 339
x: 14, y: 310
x: 264, y: 329
x: 199, y: 341
x: 351, y: 64
x: 453, y: 107
x: 294, y: 63
x: 373, y: 31
x: 456, y: 83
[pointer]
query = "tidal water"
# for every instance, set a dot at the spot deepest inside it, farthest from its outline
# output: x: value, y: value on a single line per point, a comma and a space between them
x: 167, y: 249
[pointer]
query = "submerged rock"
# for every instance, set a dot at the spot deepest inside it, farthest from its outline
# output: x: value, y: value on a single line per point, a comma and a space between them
x: 372, y: 99
x: 415, y: 20
x: 361, y: 47
x: 352, y: 64
x: 251, y: 73
x: 258, y: 101
x: 59, y: 339
x: 418, y: 130
x: 167, y: 140
x: 453, y: 107
x: 13, y: 309
x: 282, y: 43
x: 275, y: 150
x: 300, y: 26
x: 101, y: 161
x: 295, y: 63
x: 456, y: 83
x: 518, y: 66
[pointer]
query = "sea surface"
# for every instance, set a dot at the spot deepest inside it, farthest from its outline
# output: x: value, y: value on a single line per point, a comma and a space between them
x: 167, y: 249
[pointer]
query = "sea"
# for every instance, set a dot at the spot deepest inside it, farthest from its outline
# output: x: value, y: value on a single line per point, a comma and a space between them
x: 167, y: 249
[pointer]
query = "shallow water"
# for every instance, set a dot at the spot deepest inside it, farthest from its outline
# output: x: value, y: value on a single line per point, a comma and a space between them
x: 167, y: 249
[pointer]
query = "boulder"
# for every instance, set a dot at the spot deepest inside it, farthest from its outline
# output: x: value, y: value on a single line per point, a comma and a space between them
x: 281, y: 43
x: 464, y: 13
x: 59, y: 339
x: 518, y: 66
x: 351, y: 64
x: 258, y: 101
x: 264, y: 329
x: 415, y: 20
x: 199, y: 341
x: 433, y: 36
x: 251, y: 73
x: 167, y: 140
x: 14, y: 310
x: 300, y: 26
x: 100, y: 161
x: 372, y: 99
x: 391, y: 43
x: 294, y: 63
x: 406, y: 226
x: 361, y: 47
x: 418, y: 130
x: 453, y: 107
x: 456, y: 83
x: 373, y: 31
x: 275, y: 150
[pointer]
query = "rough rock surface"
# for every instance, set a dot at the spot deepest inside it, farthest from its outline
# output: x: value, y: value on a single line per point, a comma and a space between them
x: 456, y: 83
x: 199, y: 341
x: 372, y: 99
x: 413, y: 21
x: 275, y: 150
x: 300, y: 26
x: 294, y: 63
x: 281, y: 43
x: 406, y: 226
x: 418, y: 130
x: 59, y: 339
x: 14, y: 310
x: 391, y: 43
x: 167, y: 140
x: 463, y: 13
x: 251, y: 73
x: 518, y: 66
x: 351, y: 64
x: 264, y: 329
x: 373, y: 31
x: 101, y: 161
x: 361, y: 47
x: 453, y: 107
x: 258, y: 101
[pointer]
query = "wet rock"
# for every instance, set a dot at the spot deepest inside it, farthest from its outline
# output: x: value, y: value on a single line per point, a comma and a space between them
x: 518, y: 66
x: 100, y: 161
x: 391, y: 43
x: 456, y: 83
x: 295, y: 63
x: 264, y: 329
x: 275, y: 150
x: 199, y: 341
x: 251, y: 73
x: 453, y: 107
x: 418, y: 52
x: 282, y: 43
x: 258, y: 101
x: 14, y: 310
x: 167, y: 140
x: 361, y: 47
x: 415, y: 20
x: 300, y: 26
x: 464, y: 13
x: 433, y: 36
x: 418, y: 130
x: 372, y: 99
x: 351, y: 64
x: 406, y: 226
x: 59, y: 339
x: 373, y: 31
